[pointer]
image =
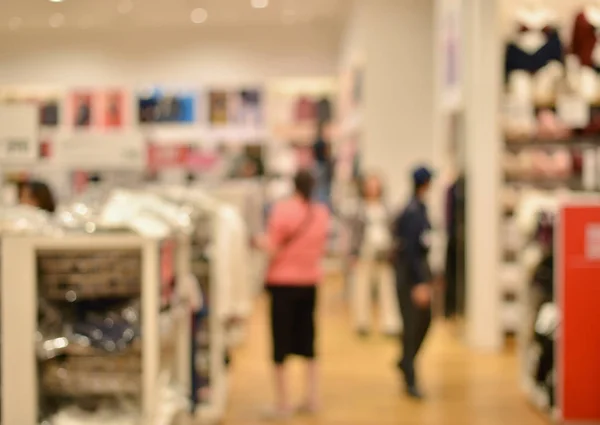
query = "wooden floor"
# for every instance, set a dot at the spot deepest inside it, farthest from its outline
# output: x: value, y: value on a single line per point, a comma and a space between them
x: 360, y: 386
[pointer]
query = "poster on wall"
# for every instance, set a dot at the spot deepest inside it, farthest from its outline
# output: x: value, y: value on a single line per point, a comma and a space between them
x: 82, y: 108
x: 236, y: 108
x: 304, y: 119
x: 246, y: 108
x: 47, y: 101
x: 112, y: 106
x: 19, y: 133
x: 218, y: 107
x: 451, y: 46
x: 162, y: 106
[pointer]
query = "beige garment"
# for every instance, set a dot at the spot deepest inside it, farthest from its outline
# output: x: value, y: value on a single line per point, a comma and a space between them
x: 367, y: 273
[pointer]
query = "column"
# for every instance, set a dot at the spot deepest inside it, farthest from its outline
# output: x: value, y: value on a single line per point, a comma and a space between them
x: 399, y: 90
x: 482, y: 162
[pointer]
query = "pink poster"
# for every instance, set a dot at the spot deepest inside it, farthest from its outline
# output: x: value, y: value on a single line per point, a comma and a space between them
x: 82, y: 109
x: 111, y: 104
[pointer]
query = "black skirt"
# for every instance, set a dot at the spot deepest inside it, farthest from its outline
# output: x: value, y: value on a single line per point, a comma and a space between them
x: 292, y: 321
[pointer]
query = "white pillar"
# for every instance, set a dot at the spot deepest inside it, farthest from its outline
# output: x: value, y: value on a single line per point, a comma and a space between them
x: 483, y: 156
x: 399, y: 89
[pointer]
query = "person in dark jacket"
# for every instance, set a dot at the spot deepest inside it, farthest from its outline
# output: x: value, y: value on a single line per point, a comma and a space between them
x: 413, y: 276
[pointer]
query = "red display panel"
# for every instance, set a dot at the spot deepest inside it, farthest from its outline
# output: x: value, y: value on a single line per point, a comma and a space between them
x: 578, y: 288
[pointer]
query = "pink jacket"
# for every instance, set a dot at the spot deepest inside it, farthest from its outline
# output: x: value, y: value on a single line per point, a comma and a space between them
x: 299, y: 262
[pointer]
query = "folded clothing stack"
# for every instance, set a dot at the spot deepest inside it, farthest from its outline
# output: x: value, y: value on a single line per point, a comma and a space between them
x: 108, y: 414
x: 108, y: 334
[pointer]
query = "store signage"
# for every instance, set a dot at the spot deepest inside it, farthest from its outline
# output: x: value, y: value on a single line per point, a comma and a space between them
x: 578, y: 345
x: 83, y: 151
x: 19, y: 130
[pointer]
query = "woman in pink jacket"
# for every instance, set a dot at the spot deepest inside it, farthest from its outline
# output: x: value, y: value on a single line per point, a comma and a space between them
x: 296, y: 240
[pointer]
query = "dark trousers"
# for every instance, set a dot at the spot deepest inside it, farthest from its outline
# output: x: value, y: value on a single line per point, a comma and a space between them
x: 416, y: 324
x: 292, y: 321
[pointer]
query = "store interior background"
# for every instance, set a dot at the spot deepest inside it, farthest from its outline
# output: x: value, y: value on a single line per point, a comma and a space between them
x: 410, y: 111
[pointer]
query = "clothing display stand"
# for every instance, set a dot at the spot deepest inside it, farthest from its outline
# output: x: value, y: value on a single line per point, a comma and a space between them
x: 23, y: 282
x: 225, y: 282
x: 552, y: 143
x: 208, y: 351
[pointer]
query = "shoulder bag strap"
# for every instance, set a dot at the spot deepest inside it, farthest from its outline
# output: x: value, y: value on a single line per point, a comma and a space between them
x: 302, y: 227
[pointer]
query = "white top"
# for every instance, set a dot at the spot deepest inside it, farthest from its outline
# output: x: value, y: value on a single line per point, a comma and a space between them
x: 232, y: 265
x: 377, y: 232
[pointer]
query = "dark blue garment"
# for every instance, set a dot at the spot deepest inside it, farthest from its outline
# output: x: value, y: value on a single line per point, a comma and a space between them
x: 411, y: 234
x: 451, y: 211
x: 518, y: 60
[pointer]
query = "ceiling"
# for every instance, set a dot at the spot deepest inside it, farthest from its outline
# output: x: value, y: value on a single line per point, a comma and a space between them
x: 27, y: 15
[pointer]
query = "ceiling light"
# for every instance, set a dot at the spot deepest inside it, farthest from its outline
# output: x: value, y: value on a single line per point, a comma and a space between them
x: 56, y: 1
x: 199, y: 15
x: 15, y: 23
x: 260, y: 4
x: 125, y: 6
x: 57, y: 20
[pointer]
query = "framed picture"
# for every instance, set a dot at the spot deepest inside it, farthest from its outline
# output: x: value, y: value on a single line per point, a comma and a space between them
x: 83, y: 109
x: 113, y: 109
x: 166, y: 107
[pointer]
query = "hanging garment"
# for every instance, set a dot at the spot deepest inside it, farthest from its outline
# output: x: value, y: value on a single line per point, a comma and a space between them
x: 517, y: 59
x: 231, y: 261
x: 305, y: 110
x: 324, y: 112
x: 584, y: 43
x: 451, y: 300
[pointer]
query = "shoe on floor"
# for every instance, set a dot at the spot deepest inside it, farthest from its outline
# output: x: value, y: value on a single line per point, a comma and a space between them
x: 414, y: 393
x: 307, y: 409
x: 362, y: 333
x: 276, y: 415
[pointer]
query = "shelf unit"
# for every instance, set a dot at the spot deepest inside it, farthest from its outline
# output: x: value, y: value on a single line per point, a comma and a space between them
x: 518, y: 295
x: 20, y: 399
x: 514, y: 288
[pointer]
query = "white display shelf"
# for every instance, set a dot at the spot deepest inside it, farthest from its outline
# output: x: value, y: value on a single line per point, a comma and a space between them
x: 20, y: 404
x: 214, y: 412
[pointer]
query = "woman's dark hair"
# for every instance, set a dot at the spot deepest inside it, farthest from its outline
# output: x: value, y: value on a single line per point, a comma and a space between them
x: 41, y: 193
x: 304, y: 183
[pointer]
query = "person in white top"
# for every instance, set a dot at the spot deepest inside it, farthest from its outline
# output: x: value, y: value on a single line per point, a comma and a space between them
x: 371, y: 245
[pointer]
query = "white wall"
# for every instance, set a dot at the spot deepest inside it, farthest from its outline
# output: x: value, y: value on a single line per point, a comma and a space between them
x: 211, y: 55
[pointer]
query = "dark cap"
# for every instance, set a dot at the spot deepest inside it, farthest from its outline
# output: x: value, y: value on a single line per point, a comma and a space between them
x: 421, y: 175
